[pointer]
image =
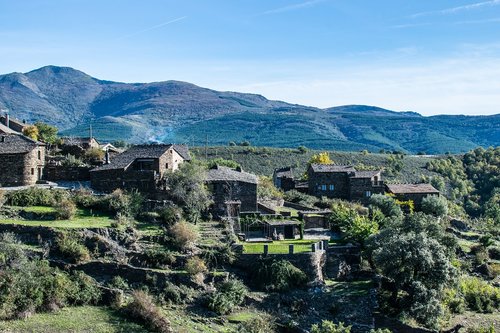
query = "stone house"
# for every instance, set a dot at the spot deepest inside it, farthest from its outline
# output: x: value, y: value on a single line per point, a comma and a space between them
x: 140, y: 167
x: 283, y: 178
x: 22, y: 160
x: 414, y: 192
x: 233, y: 191
x: 343, y: 182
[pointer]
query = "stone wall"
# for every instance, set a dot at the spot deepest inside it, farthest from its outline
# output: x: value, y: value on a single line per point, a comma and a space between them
x: 234, y: 191
x: 22, y: 169
x: 359, y: 186
x: 340, y: 180
x: 342, y: 262
x: 56, y: 173
x: 110, y: 180
x: 311, y: 263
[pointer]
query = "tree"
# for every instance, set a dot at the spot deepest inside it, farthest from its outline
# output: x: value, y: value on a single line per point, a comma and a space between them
x: 413, y: 255
x: 435, y: 205
x: 327, y: 326
x: 223, y: 162
x: 47, y: 133
x: 386, y: 204
x: 31, y: 132
x: 266, y: 189
x: 188, y: 189
x: 321, y: 158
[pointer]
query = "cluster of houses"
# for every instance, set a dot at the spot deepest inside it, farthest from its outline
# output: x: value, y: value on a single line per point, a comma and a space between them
x: 142, y: 167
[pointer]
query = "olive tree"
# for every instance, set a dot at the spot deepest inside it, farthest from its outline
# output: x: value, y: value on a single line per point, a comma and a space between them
x: 413, y: 254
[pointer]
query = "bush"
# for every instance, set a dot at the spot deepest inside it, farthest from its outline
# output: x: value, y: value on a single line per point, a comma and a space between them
x: 218, y: 256
x: 172, y: 293
x: 143, y: 309
x: 11, y: 253
x: 386, y: 204
x: 118, y: 282
x: 435, y: 205
x: 481, y: 329
x: 170, y: 215
x: 300, y: 198
x: 327, y: 326
x: 3, y: 198
x: 159, y: 258
x: 195, y: 266
x: 125, y: 203
x: 278, y: 275
x: 38, y: 287
x: 66, y: 209
x: 480, y: 295
x: 494, y: 252
x: 183, y: 235
x: 35, y: 196
x: 258, y: 324
x: 69, y: 245
x: 228, y: 295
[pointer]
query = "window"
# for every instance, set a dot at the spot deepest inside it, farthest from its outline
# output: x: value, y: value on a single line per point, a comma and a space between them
x: 368, y: 194
x: 166, y: 165
x: 39, y: 155
x: 332, y: 187
x: 32, y: 171
x: 319, y: 187
x: 323, y: 187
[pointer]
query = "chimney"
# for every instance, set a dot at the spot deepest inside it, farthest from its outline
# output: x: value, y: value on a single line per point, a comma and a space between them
x: 7, y: 119
x: 107, y: 161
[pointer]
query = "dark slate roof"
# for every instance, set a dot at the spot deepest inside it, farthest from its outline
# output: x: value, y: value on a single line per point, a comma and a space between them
x: 303, y: 185
x: 332, y: 168
x: 221, y: 173
x: 17, y: 144
x: 183, y: 150
x: 365, y: 174
x: 411, y: 188
x: 6, y: 130
x: 282, y: 223
x: 77, y: 140
x: 123, y: 160
x: 286, y: 172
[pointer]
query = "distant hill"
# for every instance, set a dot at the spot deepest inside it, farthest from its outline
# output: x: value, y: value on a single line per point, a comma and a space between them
x: 182, y: 112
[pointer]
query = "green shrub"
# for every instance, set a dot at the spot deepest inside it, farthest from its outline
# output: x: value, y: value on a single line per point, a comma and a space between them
x: 481, y: 329
x: 118, y: 282
x: 3, y: 198
x: 494, y: 252
x: 142, y: 308
x: 479, y: 295
x: 435, y: 205
x: 327, y: 326
x: 229, y: 294
x: 126, y: 203
x: 158, y: 257
x: 300, y: 198
x: 195, y: 266
x: 66, y: 209
x: 258, y: 324
x: 11, y: 253
x: 172, y: 293
x: 218, y: 256
x: 170, y: 215
x: 68, y: 244
x: 35, y: 196
x: 278, y: 275
x: 183, y: 235
x: 89, y: 292
x: 386, y: 204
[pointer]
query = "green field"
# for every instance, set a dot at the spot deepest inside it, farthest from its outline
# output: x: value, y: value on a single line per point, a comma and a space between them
x: 86, y: 319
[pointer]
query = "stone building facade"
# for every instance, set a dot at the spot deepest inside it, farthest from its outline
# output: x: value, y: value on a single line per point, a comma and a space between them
x: 140, y: 167
x: 233, y: 191
x: 22, y: 160
x: 343, y: 182
x: 283, y: 178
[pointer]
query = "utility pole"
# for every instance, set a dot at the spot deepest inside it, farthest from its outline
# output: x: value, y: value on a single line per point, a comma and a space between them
x: 206, y: 147
x: 90, y: 130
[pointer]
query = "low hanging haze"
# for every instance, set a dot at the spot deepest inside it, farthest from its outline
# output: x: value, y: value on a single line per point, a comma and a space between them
x: 428, y: 56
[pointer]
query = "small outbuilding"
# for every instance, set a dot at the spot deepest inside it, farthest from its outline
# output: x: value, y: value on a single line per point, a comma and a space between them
x: 414, y: 192
x: 279, y: 230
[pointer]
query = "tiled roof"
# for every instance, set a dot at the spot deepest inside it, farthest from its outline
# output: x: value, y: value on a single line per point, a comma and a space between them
x: 365, y: 174
x: 221, y: 173
x: 183, y: 150
x: 124, y: 159
x: 284, y: 172
x: 17, y: 144
x: 411, y: 188
x: 332, y: 168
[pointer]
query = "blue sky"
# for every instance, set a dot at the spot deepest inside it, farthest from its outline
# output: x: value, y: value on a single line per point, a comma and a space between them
x: 428, y: 56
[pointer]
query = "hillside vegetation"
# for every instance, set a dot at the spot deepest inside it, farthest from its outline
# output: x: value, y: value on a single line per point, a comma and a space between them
x: 174, y: 111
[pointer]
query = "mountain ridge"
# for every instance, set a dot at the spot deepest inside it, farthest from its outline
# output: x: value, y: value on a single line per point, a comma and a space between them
x: 184, y: 112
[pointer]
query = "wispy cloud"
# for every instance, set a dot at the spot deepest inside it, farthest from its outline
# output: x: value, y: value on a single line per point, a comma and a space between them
x: 453, y: 10
x: 158, y: 26
x: 464, y: 22
x: 292, y: 7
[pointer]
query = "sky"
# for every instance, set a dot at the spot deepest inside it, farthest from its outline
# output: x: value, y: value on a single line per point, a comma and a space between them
x: 428, y: 56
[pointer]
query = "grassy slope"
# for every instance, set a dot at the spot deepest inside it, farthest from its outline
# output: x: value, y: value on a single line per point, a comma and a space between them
x: 83, y: 219
x: 263, y: 161
x: 85, y: 319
